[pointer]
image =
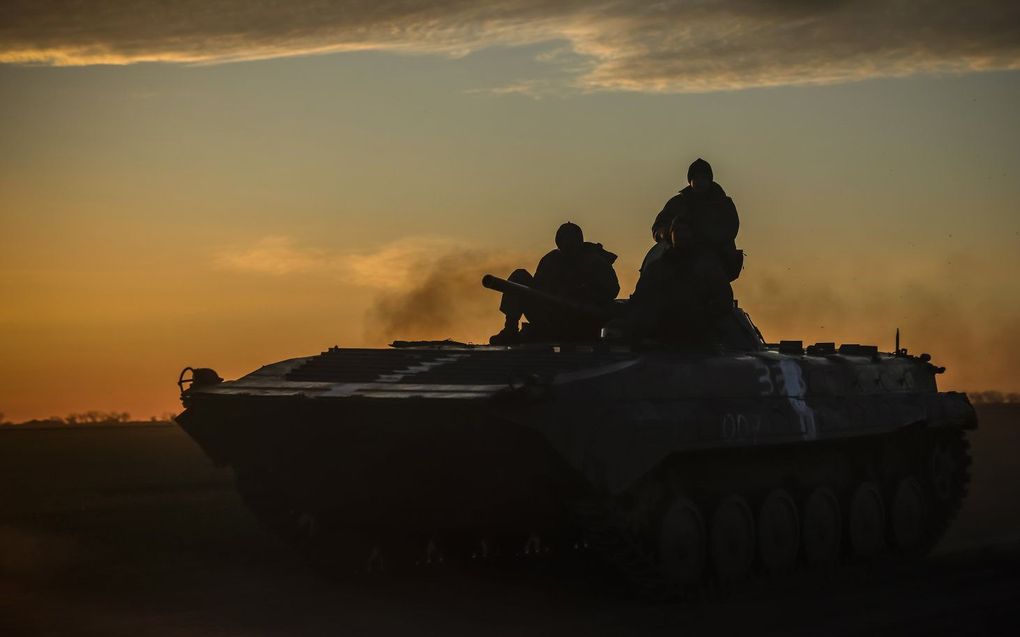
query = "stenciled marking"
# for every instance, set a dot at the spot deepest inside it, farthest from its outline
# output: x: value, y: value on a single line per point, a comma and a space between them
x: 737, y: 426
x: 412, y: 370
x: 795, y: 389
x: 785, y: 378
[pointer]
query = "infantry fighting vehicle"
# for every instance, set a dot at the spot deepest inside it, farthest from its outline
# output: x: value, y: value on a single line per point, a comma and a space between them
x: 675, y: 465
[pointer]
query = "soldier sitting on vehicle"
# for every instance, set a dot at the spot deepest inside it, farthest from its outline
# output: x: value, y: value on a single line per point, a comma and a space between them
x: 710, y: 216
x: 684, y: 295
x: 577, y: 271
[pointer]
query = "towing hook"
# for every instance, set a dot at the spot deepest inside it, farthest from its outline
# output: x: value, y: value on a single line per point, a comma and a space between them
x: 200, y: 377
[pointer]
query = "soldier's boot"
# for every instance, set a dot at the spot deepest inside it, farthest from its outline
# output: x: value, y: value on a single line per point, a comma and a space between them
x: 509, y: 335
x: 506, y: 336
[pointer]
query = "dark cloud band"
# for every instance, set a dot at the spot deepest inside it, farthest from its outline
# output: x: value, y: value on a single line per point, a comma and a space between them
x: 693, y: 45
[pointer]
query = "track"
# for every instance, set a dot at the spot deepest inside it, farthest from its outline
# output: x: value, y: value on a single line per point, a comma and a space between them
x: 711, y: 520
x: 720, y: 519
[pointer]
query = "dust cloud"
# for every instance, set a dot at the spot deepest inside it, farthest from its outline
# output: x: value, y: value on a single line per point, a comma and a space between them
x: 445, y: 300
x: 966, y: 325
x: 953, y: 313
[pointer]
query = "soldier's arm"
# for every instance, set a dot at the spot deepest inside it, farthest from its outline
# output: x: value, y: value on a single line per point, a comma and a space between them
x: 597, y: 280
x: 647, y: 283
x: 721, y: 223
x: 545, y: 270
x: 716, y: 291
x: 660, y: 227
x: 610, y: 283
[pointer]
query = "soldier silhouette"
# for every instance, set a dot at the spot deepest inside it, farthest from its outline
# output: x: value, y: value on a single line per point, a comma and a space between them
x: 684, y: 294
x: 576, y: 270
x: 709, y: 218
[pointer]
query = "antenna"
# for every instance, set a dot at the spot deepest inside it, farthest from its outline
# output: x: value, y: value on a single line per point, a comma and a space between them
x: 897, y: 341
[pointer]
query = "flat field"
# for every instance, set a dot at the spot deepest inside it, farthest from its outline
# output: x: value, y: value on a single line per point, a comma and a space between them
x: 129, y: 530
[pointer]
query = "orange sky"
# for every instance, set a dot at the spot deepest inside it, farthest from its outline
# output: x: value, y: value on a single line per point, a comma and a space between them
x: 157, y: 215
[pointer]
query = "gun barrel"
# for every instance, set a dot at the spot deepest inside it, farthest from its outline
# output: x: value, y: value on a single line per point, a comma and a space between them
x: 580, y: 307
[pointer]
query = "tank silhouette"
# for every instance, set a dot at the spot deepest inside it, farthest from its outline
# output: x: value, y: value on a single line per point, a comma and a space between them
x: 676, y: 466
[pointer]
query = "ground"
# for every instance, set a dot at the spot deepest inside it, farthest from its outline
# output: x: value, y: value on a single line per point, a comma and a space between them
x: 129, y: 530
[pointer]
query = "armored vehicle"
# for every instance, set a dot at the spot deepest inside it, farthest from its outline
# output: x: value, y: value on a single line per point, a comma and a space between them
x: 677, y: 465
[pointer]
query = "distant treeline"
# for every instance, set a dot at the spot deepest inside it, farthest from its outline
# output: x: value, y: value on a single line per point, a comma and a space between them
x: 990, y: 397
x: 993, y: 397
x: 88, y: 418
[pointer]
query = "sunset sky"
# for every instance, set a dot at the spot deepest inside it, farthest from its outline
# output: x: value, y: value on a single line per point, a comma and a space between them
x: 232, y: 183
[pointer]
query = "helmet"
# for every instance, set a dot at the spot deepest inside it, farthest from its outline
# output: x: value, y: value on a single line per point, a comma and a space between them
x: 569, y: 237
x: 699, y: 166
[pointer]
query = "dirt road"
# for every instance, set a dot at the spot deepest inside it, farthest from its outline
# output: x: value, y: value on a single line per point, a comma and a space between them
x: 130, y: 531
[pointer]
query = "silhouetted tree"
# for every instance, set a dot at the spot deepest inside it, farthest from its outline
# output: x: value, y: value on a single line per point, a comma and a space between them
x: 993, y: 397
x: 97, y: 417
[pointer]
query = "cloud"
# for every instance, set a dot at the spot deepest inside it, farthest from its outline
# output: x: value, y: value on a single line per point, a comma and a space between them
x: 668, y: 46
x: 390, y: 266
x: 534, y: 89
x: 274, y: 255
x: 397, y: 265
x: 425, y: 287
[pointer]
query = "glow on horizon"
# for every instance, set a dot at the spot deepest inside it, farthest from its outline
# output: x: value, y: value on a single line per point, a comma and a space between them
x: 154, y: 216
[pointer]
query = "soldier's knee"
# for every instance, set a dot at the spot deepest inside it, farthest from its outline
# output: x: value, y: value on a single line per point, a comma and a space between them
x: 521, y: 276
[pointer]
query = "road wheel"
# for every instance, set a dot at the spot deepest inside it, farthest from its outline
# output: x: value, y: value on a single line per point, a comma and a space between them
x: 823, y: 526
x: 778, y: 532
x: 397, y: 554
x: 867, y: 520
x: 944, y: 470
x: 274, y: 509
x: 907, y: 515
x: 436, y: 553
x: 332, y: 550
x: 731, y: 540
x: 944, y: 482
x: 682, y: 543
